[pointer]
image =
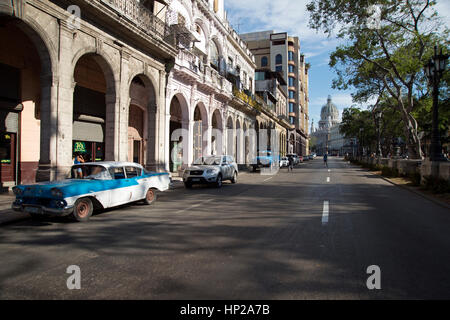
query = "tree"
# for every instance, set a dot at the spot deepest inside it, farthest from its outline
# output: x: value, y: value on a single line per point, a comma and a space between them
x: 357, y: 123
x: 385, y: 58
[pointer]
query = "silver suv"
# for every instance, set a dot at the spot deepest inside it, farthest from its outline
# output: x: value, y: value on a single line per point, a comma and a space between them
x: 211, y: 170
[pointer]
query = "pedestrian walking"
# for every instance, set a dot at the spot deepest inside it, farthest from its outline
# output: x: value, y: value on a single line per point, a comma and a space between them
x: 291, y: 163
x: 325, y: 159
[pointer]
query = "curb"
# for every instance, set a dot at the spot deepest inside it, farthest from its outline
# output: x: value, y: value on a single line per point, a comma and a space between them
x: 425, y: 196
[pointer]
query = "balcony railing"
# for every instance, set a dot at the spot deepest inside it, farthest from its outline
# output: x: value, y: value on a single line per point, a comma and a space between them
x: 140, y: 16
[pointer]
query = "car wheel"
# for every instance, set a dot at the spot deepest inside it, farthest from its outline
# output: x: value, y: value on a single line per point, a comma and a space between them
x: 219, y: 181
x: 82, y: 210
x: 150, y: 197
x: 234, y: 179
x: 188, y: 185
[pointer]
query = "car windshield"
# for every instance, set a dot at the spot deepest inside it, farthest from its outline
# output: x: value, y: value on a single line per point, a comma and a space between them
x: 208, y: 161
x: 89, y: 172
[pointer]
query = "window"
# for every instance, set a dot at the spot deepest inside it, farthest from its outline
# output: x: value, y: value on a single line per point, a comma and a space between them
x: 264, y: 62
x: 244, y: 78
x: 291, y: 82
x: 291, y: 107
x: 132, y: 172
x: 291, y: 94
x: 291, y: 69
x: 279, y: 59
x: 291, y: 56
x: 117, y: 173
x: 260, y: 75
x: 279, y: 68
x: 5, y: 148
x: 214, y: 54
x: 292, y: 120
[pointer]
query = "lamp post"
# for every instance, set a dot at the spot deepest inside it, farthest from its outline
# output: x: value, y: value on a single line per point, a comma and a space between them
x: 360, y: 142
x: 434, y: 70
x: 378, y: 114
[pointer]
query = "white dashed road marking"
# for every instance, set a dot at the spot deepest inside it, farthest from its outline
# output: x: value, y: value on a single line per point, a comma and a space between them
x: 325, y: 212
x: 328, y: 179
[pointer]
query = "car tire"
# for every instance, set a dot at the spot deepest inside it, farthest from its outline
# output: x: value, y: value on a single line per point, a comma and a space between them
x: 82, y: 210
x: 188, y: 185
x: 219, y: 181
x: 234, y: 178
x: 150, y: 196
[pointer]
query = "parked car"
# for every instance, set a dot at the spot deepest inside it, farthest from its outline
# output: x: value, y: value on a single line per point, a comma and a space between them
x: 211, y: 170
x: 94, y: 185
x: 265, y: 159
x: 284, y: 162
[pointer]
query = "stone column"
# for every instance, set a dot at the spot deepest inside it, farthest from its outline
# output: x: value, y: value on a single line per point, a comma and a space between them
x: 124, y: 108
x: 62, y: 126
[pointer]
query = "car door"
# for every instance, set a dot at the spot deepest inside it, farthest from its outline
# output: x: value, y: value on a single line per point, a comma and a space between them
x: 137, y: 189
x: 119, y: 187
x: 224, y: 168
x: 231, y: 168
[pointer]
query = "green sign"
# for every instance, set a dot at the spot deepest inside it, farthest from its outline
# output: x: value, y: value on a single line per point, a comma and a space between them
x: 79, y: 147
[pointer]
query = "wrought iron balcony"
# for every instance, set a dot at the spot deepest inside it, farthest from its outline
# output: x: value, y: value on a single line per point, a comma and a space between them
x: 141, y: 17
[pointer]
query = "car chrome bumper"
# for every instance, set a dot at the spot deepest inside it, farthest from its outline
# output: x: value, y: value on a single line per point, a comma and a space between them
x: 42, y: 210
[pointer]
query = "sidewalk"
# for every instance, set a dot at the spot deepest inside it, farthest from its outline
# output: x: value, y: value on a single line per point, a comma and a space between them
x: 7, y: 215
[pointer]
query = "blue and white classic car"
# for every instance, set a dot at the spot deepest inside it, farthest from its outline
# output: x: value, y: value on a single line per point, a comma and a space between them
x: 91, y: 186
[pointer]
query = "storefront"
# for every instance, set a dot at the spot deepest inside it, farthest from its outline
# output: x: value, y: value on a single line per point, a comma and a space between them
x: 89, y: 124
x: 10, y: 108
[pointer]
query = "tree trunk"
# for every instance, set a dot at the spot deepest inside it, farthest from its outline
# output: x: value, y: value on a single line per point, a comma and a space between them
x: 412, y: 138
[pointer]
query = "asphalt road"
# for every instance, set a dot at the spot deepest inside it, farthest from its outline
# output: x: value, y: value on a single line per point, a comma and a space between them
x: 266, y: 237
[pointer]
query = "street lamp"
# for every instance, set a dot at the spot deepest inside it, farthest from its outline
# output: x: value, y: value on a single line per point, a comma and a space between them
x: 377, y: 115
x: 434, y: 70
x: 360, y: 142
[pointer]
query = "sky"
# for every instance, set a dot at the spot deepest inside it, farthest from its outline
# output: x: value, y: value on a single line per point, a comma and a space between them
x: 292, y: 17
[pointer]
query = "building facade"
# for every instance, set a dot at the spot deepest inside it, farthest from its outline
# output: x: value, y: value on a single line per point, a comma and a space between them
x: 87, y: 77
x: 160, y: 83
x: 328, y: 137
x: 280, y: 52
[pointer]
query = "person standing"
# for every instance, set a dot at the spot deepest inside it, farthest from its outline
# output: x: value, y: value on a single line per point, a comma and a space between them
x: 325, y: 159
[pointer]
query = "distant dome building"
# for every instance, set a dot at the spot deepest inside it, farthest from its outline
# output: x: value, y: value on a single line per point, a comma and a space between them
x: 329, y: 114
x: 327, y: 136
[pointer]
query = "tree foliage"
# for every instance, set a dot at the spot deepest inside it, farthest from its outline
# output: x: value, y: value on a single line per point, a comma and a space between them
x: 383, y: 61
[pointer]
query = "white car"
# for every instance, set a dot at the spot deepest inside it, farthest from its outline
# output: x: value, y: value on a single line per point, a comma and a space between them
x: 284, y: 162
x: 211, y: 170
x: 91, y: 185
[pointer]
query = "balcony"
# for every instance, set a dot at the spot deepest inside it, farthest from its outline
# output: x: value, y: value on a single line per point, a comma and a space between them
x: 140, y: 16
x: 190, y: 67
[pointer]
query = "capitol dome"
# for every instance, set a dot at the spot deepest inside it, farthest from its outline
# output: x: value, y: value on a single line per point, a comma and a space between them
x: 329, y: 113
